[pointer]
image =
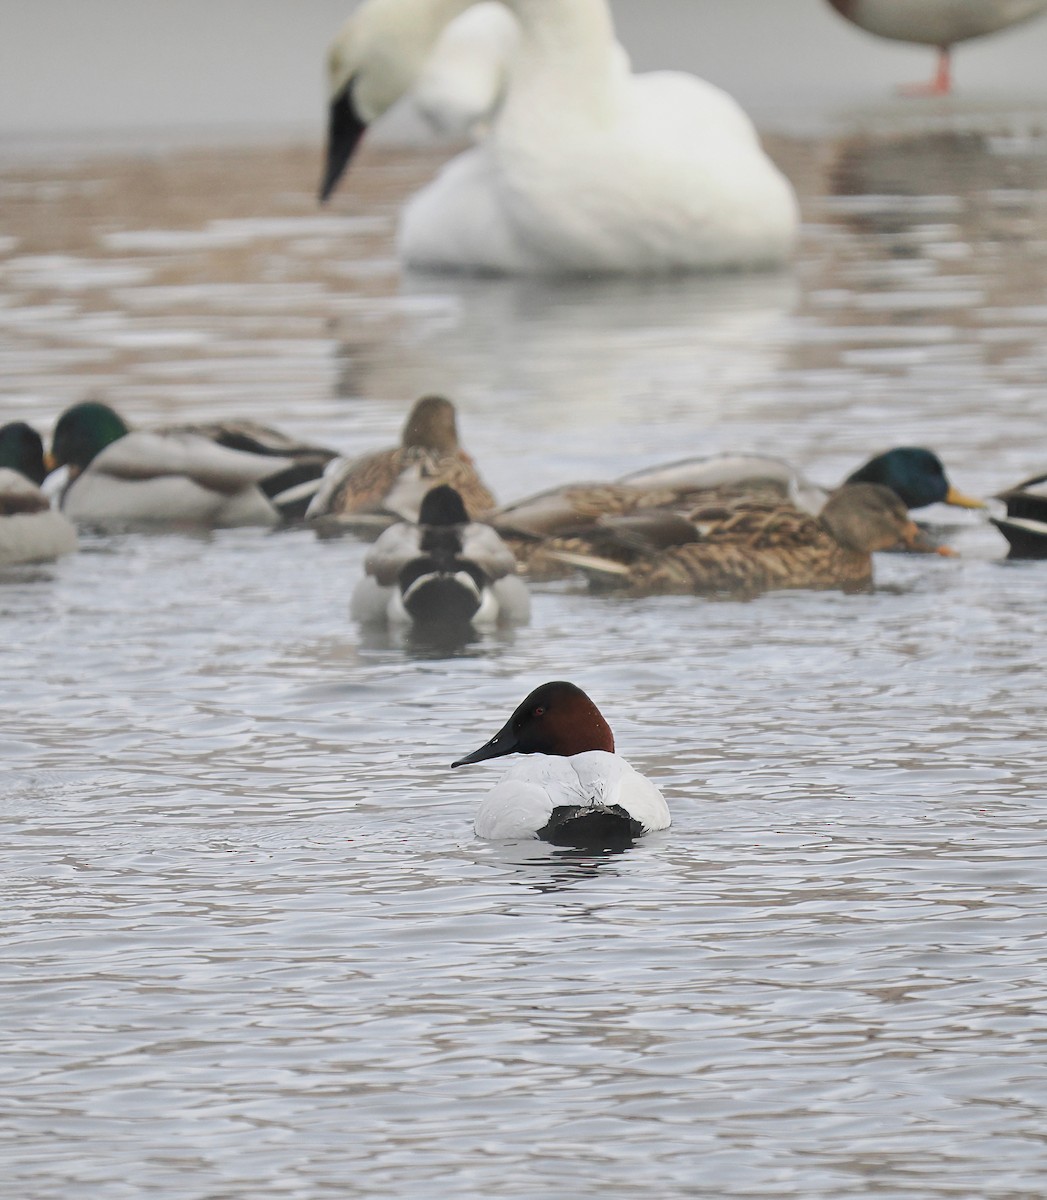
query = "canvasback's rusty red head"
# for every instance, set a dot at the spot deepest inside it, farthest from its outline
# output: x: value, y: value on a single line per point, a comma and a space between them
x: 556, y: 718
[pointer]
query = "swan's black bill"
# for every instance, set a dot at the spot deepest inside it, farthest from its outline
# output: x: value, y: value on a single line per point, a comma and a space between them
x: 344, y: 131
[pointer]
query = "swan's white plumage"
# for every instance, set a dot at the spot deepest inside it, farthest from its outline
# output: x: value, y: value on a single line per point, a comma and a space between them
x: 523, y: 800
x: 591, y: 169
x: 463, y: 79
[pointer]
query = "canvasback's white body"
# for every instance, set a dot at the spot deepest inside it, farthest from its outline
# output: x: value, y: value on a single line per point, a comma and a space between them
x: 522, y: 802
x: 588, y: 168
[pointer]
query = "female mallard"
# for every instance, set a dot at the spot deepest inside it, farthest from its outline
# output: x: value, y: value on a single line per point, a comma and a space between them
x: 444, y: 571
x: 562, y: 518
x: 122, y: 477
x: 751, y: 546
x: 1025, y: 526
x: 30, y: 530
x: 379, y: 488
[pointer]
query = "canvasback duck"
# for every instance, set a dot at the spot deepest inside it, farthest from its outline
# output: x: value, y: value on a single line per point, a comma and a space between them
x: 1025, y: 526
x: 445, y: 570
x: 119, y: 477
x: 940, y: 23
x: 377, y: 489
x: 751, y: 546
x: 545, y: 192
x: 30, y: 530
x: 571, y: 789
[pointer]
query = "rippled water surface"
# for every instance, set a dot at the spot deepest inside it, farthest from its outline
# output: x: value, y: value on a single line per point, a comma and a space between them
x: 251, y: 946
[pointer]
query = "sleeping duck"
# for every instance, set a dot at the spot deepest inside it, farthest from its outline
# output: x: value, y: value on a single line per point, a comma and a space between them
x: 561, y: 518
x: 750, y: 546
x: 30, y: 530
x: 444, y: 570
x: 1025, y: 526
x: 373, y: 491
x: 119, y: 477
x: 290, y: 490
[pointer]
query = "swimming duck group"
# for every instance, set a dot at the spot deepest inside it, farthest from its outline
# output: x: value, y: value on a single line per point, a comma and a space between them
x: 444, y: 555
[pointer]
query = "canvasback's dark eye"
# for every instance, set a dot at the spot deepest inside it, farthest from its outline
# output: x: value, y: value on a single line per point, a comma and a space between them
x: 539, y: 712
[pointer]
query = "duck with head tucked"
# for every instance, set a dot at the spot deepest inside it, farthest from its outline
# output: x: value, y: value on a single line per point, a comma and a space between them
x: 121, y: 477
x: 30, y: 530
x: 562, y: 519
x: 371, y: 492
x: 570, y: 788
x: 748, y: 546
x: 443, y: 571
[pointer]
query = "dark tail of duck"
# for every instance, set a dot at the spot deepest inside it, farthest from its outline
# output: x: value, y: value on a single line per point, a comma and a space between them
x: 1025, y: 526
x: 603, y: 827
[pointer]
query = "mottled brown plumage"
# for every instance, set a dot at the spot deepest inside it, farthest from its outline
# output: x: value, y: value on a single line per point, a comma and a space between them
x: 749, y: 546
x: 576, y: 517
x: 391, y: 483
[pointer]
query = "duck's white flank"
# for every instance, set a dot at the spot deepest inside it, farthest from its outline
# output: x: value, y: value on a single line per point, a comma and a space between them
x: 522, y: 801
x: 173, y: 477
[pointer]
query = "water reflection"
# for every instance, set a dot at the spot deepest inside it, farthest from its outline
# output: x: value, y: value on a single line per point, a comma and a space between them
x: 542, y: 868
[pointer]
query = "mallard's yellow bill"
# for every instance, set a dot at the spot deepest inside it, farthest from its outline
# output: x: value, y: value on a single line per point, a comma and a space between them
x: 952, y: 496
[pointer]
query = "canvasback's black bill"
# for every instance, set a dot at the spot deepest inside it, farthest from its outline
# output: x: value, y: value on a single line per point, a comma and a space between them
x: 503, y: 742
x: 344, y: 130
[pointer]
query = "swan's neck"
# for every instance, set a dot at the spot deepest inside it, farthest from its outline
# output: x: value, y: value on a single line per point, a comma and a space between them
x: 569, y: 44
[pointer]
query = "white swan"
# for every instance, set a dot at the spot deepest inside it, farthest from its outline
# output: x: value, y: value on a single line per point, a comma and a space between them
x: 940, y: 23
x: 587, y: 167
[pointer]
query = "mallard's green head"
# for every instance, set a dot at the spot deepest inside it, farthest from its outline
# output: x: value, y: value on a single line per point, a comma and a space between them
x: 22, y: 450
x: 84, y: 431
x: 914, y: 474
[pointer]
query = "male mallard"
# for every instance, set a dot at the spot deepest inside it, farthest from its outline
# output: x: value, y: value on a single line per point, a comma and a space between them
x: 445, y: 570
x: 750, y: 546
x: 539, y: 526
x: 290, y: 491
x: 1025, y: 526
x: 379, y: 488
x: 914, y: 474
x: 122, y: 477
x: 30, y: 530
